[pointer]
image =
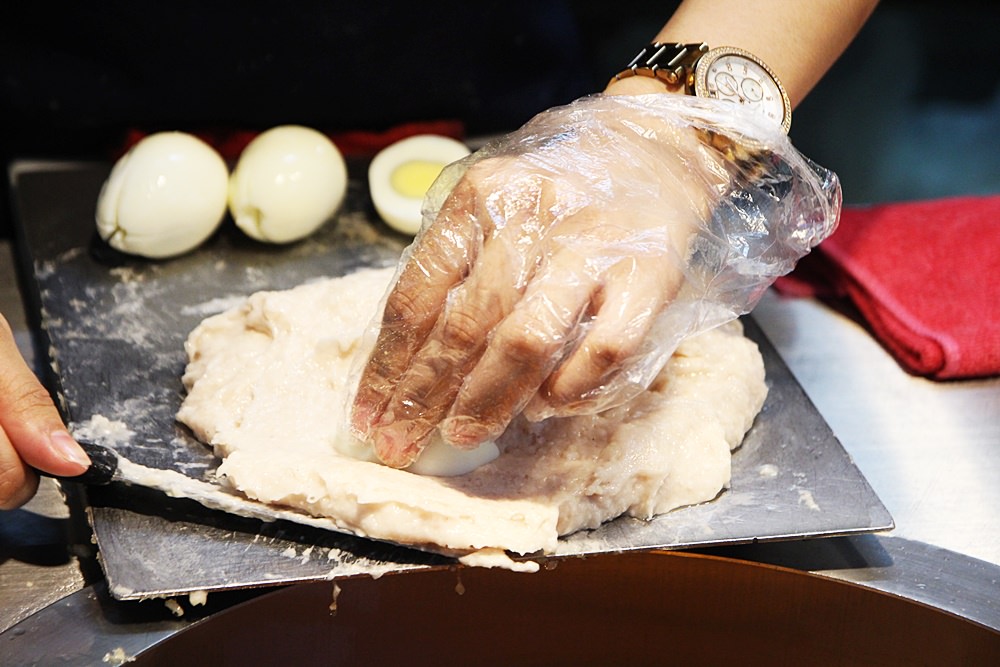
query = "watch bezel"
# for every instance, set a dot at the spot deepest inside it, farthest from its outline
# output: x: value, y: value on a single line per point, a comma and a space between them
x: 707, y: 59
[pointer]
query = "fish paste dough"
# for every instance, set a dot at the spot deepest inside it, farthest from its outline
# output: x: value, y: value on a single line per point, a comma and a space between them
x: 269, y: 386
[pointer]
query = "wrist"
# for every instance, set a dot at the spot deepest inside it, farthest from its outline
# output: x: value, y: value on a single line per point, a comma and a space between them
x: 640, y: 85
x: 724, y: 72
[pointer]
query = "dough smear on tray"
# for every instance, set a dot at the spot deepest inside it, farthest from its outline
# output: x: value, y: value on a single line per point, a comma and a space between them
x: 268, y: 387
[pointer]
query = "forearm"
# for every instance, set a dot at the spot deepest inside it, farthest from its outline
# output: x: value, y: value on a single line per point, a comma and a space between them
x: 798, y: 40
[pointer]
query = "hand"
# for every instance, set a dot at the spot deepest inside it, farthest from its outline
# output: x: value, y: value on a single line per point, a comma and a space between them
x: 555, y: 275
x: 31, y: 433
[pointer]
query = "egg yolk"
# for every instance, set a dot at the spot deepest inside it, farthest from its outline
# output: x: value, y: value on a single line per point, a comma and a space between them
x: 414, y: 179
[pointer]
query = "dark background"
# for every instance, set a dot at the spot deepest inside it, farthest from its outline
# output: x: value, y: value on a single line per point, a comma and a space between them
x: 912, y: 110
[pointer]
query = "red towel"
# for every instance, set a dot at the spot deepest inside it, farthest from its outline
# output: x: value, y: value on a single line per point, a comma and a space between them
x: 925, y: 276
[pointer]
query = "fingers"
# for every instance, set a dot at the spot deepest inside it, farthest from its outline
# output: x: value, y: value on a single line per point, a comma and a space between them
x: 429, y: 386
x: 31, y: 431
x: 634, y: 293
x: 18, y: 482
x: 415, y: 382
x: 522, y: 352
x: 439, y: 261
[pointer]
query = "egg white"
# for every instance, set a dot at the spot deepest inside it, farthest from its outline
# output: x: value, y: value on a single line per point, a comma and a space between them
x: 439, y: 459
x: 287, y: 182
x: 399, y: 208
x: 164, y: 197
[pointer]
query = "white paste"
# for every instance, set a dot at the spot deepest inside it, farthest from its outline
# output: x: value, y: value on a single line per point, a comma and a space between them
x: 269, y: 386
x: 198, y: 598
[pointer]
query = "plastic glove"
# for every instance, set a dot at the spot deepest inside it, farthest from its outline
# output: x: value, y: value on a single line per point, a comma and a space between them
x: 559, y: 267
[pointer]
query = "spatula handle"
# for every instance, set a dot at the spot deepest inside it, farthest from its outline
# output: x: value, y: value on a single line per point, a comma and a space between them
x: 103, y: 466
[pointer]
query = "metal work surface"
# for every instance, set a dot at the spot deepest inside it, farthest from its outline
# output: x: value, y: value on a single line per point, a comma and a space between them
x: 115, y: 329
x: 930, y: 449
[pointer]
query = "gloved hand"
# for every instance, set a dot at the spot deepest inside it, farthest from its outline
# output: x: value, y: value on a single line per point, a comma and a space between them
x: 559, y: 267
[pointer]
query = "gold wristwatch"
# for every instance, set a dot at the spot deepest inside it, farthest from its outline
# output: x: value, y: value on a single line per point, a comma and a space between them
x: 725, y: 73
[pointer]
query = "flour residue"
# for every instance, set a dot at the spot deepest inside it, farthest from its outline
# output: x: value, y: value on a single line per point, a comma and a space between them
x: 768, y: 470
x: 128, y: 274
x: 117, y: 657
x: 102, y: 431
x: 806, y: 498
x: 212, y: 306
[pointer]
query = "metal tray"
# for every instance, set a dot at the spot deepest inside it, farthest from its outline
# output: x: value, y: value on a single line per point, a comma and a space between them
x: 114, y: 329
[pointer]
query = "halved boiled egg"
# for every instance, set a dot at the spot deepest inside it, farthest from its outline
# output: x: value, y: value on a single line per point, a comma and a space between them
x: 164, y: 197
x: 402, y: 173
x: 287, y: 182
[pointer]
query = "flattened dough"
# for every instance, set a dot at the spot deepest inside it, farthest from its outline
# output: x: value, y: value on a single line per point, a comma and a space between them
x: 269, y: 385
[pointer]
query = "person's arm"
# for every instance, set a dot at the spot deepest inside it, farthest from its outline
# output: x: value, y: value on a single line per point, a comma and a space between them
x: 798, y: 40
x: 32, y: 434
x: 542, y: 284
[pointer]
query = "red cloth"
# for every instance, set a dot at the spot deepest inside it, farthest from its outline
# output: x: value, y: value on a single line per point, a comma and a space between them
x: 230, y: 143
x: 925, y: 276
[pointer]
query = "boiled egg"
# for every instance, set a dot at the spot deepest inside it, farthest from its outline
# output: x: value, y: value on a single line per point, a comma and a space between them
x: 287, y: 182
x: 439, y: 459
x: 164, y: 197
x: 402, y: 173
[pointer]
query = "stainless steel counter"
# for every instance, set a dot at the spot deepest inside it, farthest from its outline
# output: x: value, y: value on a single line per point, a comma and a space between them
x: 930, y: 450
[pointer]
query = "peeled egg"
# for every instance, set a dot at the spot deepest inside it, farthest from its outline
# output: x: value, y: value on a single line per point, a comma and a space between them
x: 440, y: 459
x: 287, y: 182
x: 164, y: 197
x: 402, y: 173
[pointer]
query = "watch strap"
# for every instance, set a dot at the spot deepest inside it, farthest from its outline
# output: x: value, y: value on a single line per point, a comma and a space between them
x: 671, y: 63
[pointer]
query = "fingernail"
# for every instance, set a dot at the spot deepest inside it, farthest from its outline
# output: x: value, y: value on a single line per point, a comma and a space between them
x: 68, y: 449
x: 464, y: 433
x: 386, y: 449
x: 395, y: 449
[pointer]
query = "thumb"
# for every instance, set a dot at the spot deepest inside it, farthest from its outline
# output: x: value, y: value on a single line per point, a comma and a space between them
x: 29, y: 419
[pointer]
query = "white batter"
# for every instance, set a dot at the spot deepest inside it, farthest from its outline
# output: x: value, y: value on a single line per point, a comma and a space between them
x: 269, y: 388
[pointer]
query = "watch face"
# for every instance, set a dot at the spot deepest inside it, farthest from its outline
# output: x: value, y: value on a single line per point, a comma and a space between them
x: 735, y: 75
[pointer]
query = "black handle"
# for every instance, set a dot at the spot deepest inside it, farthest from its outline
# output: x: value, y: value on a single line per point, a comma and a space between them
x: 103, y: 466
